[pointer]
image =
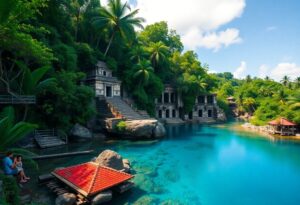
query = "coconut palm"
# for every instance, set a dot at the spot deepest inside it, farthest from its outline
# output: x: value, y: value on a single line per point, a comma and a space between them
x: 118, y: 19
x: 158, y: 53
x: 137, y: 53
x: 249, y: 104
x: 285, y: 80
x: 143, y: 71
x: 294, y: 100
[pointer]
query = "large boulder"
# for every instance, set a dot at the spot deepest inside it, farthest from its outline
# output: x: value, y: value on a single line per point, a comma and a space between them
x: 65, y: 199
x: 102, y: 197
x: 144, y: 129
x: 110, y: 159
x: 141, y: 128
x: 79, y: 132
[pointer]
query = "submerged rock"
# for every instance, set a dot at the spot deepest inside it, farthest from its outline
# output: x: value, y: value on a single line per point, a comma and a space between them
x: 146, y: 200
x: 171, y: 175
x: 65, y: 199
x: 79, y: 132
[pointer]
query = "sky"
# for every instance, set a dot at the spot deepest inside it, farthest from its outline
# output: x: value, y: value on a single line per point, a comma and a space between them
x: 246, y: 37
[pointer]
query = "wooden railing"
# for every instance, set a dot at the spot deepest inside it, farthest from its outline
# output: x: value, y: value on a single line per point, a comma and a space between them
x: 20, y: 99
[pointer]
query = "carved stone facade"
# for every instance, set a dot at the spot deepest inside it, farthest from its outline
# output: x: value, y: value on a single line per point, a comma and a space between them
x: 170, y: 105
x: 205, y: 108
x: 102, y: 81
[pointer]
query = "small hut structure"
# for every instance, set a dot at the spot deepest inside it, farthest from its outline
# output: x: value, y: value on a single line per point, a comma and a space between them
x: 90, y: 178
x: 282, y: 126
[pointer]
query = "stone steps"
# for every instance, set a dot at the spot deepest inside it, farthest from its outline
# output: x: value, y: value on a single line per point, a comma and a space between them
x: 48, y: 139
x: 125, y: 110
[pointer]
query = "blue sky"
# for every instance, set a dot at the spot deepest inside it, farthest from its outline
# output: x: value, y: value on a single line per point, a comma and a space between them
x: 270, y: 32
x: 256, y: 37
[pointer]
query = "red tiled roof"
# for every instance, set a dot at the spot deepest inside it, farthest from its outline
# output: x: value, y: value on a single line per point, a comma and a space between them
x: 90, y: 178
x: 282, y: 121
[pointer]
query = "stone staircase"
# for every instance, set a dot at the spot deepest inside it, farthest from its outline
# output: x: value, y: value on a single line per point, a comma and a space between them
x: 48, y: 138
x: 102, y: 109
x: 126, y: 111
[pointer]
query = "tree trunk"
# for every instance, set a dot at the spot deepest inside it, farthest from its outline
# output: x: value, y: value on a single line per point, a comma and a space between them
x: 109, y: 43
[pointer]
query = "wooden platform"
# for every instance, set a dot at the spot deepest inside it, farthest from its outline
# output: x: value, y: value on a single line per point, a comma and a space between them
x: 19, y: 99
x: 48, y: 138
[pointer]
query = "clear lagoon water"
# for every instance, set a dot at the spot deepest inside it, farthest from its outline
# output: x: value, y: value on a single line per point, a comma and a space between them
x: 200, y: 164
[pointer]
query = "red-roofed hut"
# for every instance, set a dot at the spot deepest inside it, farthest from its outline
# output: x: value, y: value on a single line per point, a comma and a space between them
x: 282, y: 126
x: 90, y: 178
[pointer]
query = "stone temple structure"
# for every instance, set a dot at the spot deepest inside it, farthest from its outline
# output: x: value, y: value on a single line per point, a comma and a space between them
x: 169, y: 107
x: 102, y: 81
x: 169, y: 104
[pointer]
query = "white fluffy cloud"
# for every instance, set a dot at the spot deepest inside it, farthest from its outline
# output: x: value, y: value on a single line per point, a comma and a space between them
x: 240, y: 71
x: 292, y: 70
x: 197, y: 21
x: 211, y: 40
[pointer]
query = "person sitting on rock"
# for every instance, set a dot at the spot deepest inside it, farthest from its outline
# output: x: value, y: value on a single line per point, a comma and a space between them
x: 10, y: 167
x: 19, y: 166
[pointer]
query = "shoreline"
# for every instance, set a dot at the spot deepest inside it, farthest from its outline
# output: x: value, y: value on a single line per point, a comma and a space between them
x: 262, y: 130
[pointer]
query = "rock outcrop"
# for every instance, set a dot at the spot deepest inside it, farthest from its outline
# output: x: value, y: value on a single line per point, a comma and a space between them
x: 113, y: 160
x: 80, y: 133
x: 138, y: 129
x: 65, y: 199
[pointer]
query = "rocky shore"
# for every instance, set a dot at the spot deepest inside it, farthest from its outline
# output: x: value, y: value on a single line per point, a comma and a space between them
x: 264, y: 131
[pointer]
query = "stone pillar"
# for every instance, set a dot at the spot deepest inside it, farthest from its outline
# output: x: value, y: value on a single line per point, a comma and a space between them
x: 214, y: 99
x: 205, y: 99
x: 169, y: 94
x: 163, y: 98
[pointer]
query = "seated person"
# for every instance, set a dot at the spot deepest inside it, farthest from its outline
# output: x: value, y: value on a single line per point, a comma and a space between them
x: 10, y: 167
x: 19, y: 166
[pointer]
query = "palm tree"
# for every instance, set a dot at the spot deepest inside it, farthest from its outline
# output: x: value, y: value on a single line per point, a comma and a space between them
x: 143, y: 71
x: 294, y: 100
x: 158, y: 53
x: 118, y: 19
x: 285, y: 80
x: 249, y: 104
x: 281, y: 96
x: 12, y: 132
x: 137, y: 53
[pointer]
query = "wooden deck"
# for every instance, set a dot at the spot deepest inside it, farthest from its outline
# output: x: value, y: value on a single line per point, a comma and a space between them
x: 20, y: 99
x: 49, y: 138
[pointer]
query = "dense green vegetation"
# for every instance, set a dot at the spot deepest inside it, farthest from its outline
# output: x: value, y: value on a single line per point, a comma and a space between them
x: 265, y: 99
x: 47, y: 46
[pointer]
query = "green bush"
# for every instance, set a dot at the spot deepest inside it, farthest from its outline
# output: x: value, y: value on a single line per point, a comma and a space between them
x: 10, y: 191
x: 121, y: 126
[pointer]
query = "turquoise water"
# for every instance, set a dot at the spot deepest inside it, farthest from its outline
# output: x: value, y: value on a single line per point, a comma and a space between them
x: 205, y: 165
